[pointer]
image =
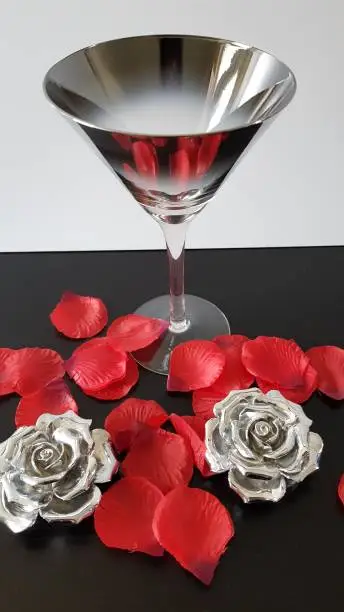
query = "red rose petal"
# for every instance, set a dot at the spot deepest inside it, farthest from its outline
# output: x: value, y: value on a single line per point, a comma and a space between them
x: 132, y: 332
x: 207, y: 152
x: 96, y: 364
x: 195, y: 422
x: 204, y: 400
x: 79, y: 316
x: 194, y: 527
x: 55, y: 398
x: 125, y: 514
x: 145, y: 158
x: 194, y: 365
x: 234, y: 375
x: 124, y: 422
x: 298, y: 394
x: 275, y: 360
x: 341, y: 489
x: 94, y: 343
x: 230, y: 341
x: 118, y: 389
x: 161, y: 457
x: 192, y: 429
x: 328, y: 361
x: 7, y: 383
x: 34, y: 368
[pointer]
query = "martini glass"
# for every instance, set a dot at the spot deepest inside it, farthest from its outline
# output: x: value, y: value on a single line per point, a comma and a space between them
x: 171, y: 116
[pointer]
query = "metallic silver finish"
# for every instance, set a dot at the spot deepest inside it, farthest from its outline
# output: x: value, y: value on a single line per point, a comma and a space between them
x: 106, y: 460
x: 264, y: 443
x: 171, y: 115
x: 51, y: 470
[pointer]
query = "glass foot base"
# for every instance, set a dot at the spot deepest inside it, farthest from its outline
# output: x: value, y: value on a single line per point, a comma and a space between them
x: 206, y: 321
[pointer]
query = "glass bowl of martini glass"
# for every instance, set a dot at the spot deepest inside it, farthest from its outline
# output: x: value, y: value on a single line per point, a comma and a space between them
x: 171, y: 116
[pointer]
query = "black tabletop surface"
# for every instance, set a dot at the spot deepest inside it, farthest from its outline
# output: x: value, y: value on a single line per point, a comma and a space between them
x: 285, y: 556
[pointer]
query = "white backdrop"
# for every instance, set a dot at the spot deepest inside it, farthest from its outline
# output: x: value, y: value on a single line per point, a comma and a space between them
x: 56, y: 195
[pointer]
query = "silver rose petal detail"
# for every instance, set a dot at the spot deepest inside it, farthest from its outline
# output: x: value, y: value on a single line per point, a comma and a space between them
x: 107, y: 462
x: 263, y: 441
x: 51, y: 470
x: 75, y: 510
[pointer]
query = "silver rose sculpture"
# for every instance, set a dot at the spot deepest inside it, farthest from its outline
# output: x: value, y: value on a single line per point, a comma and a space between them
x: 264, y: 443
x: 51, y: 470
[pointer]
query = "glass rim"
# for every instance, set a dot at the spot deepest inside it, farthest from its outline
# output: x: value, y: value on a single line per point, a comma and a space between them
x: 129, y: 133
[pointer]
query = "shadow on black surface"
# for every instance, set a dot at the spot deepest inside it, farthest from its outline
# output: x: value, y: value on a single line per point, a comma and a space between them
x: 42, y: 534
x: 331, y: 403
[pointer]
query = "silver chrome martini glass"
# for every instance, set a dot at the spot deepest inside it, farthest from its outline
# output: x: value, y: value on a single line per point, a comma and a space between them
x: 171, y: 116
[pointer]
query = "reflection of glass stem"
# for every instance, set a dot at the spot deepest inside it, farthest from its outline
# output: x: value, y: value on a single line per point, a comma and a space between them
x: 175, y: 234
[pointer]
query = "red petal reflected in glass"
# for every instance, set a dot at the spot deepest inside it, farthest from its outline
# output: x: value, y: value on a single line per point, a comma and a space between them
x: 159, y: 142
x: 194, y: 365
x: 79, y: 316
x: 132, y: 332
x: 275, y: 360
x: 118, y: 389
x: 145, y: 158
x: 161, y: 457
x: 7, y: 378
x: 34, y: 368
x: 328, y: 361
x: 195, y: 528
x: 123, y: 140
x: 125, y: 514
x: 180, y: 168
x: 124, y: 422
x: 341, y: 489
x: 207, y: 152
x: 192, y: 429
x: 298, y: 394
x: 96, y: 364
x: 55, y: 398
x: 129, y: 173
x: 190, y: 146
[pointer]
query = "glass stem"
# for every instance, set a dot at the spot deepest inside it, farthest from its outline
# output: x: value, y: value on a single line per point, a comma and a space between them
x: 175, y: 234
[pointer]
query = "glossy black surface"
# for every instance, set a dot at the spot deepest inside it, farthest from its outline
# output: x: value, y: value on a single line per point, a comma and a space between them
x: 287, y: 556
